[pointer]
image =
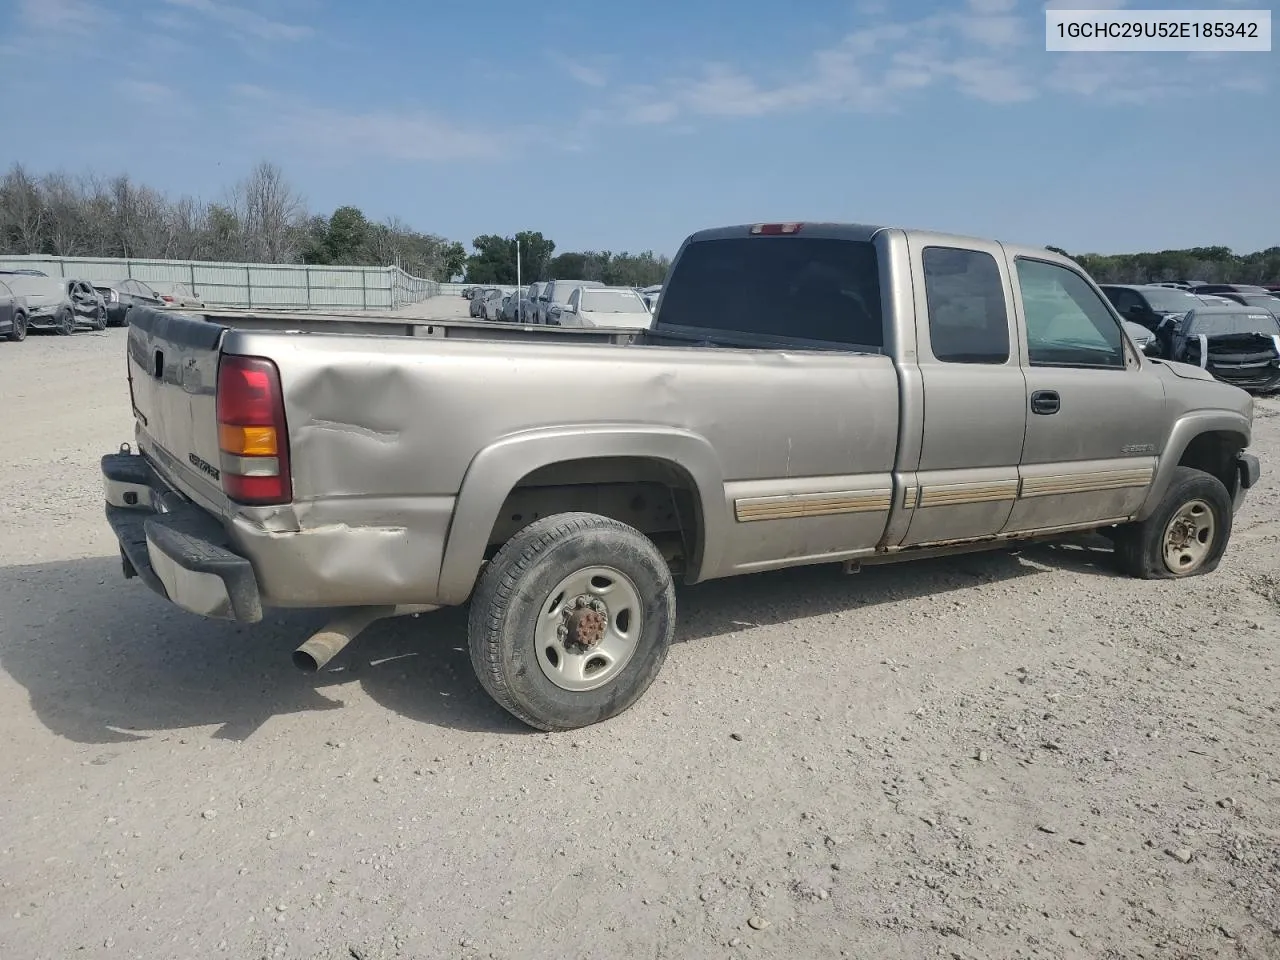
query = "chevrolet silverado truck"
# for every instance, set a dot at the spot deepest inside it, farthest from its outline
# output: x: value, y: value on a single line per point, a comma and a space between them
x: 808, y: 393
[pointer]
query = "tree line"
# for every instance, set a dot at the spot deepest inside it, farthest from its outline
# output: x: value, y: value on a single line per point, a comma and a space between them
x: 495, y: 261
x: 262, y: 219
x: 1207, y: 264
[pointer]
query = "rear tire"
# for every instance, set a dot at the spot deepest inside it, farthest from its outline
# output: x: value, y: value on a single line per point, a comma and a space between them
x: 1187, y: 534
x: 65, y: 322
x: 19, y: 332
x: 571, y: 621
x: 100, y: 321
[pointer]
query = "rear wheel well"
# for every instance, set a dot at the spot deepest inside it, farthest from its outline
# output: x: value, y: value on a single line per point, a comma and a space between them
x: 657, y: 497
x: 1215, y: 453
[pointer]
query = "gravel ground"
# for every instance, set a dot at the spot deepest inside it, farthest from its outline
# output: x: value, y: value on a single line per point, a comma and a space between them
x: 1003, y: 755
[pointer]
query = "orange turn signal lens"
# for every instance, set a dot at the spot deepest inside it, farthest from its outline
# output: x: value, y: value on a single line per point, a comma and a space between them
x: 247, y: 441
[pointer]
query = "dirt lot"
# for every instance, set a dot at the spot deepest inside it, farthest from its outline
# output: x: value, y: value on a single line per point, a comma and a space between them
x: 996, y: 756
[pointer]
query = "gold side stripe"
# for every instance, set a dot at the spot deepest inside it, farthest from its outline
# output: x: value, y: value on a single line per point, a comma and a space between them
x: 790, y: 507
x: 1087, y: 482
x: 955, y: 494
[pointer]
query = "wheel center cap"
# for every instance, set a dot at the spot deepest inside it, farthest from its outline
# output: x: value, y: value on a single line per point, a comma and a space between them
x: 587, y: 626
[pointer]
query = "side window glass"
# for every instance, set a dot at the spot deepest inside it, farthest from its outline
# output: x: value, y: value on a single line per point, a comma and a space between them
x: 1068, y: 325
x: 1124, y: 300
x: 965, y: 300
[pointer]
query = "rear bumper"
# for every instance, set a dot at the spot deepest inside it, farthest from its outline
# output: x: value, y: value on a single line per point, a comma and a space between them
x: 175, y: 547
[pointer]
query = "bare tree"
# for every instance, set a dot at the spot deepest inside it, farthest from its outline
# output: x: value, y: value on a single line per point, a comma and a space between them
x: 25, y: 215
x: 271, y: 214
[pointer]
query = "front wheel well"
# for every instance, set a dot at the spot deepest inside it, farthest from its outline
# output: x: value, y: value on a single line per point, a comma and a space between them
x: 657, y: 497
x: 1214, y: 453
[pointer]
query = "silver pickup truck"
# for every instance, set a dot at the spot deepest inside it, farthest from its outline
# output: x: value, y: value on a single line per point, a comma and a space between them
x: 808, y: 393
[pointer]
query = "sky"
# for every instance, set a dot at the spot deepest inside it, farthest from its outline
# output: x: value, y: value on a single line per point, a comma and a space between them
x: 628, y: 126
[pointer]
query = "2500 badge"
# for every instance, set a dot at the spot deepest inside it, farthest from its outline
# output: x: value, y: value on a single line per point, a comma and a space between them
x: 204, y: 466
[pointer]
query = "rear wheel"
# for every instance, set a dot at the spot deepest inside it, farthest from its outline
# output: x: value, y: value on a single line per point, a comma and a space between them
x: 1186, y: 535
x: 19, y: 331
x: 65, y: 322
x: 572, y: 620
x: 100, y: 320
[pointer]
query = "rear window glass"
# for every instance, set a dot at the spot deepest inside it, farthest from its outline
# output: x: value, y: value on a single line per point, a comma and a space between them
x: 810, y: 288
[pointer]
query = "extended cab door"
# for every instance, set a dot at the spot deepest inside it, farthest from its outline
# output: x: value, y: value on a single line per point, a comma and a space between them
x: 974, y: 392
x: 1095, y: 409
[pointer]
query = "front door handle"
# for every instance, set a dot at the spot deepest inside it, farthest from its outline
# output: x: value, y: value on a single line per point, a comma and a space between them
x: 1045, y: 402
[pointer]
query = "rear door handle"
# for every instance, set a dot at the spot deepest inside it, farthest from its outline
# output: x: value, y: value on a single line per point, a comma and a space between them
x: 1045, y: 402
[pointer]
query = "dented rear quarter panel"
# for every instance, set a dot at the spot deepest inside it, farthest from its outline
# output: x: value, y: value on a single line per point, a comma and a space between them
x: 404, y: 449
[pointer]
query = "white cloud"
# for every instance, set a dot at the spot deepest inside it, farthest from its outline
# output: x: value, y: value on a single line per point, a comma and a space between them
x: 146, y: 92
x: 62, y: 16
x: 987, y: 50
x: 587, y: 75
x: 243, y: 23
x: 344, y: 135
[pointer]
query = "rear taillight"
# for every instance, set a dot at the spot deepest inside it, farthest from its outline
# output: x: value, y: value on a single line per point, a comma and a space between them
x: 166, y: 298
x: 252, y: 435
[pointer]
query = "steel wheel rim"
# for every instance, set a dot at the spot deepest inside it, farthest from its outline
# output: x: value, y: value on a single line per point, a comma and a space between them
x: 594, y: 600
x: 1188, y: 537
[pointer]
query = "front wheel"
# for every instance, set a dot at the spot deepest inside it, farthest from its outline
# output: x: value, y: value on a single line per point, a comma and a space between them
x: 1185, y: 536
x: 66, y: 322
x: 100, y: 320
x: 572, y: 620
x: 19, y: 331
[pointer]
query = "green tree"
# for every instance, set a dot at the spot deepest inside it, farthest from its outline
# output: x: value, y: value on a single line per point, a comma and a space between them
x: 568, y: 266
x: 535, y: 255
x: 453, y: 261
x: 347, y: 235
x: 494, y: 260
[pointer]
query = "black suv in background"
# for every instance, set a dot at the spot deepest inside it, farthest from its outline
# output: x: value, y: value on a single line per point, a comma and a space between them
x: 1147, y: 304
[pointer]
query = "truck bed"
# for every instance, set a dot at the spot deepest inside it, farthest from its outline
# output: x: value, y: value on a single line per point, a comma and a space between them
x: 397, y: 325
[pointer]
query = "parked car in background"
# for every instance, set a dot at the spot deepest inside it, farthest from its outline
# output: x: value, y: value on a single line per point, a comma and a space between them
x: 1237, y: 344
x: 23, y: 272
x: 1149, y: 304
x: 511, y: 304
x: 605, y: 307
x: 1228, y: 288
x: 529, y: 304
x: 60, y: 303
x: 13, y: 313
x: 491, y: 303
x: 478, y: 296
x: 1265, y: 301
x: 650, y: 295
x: 468, y: 292
x: 551, y: 301
x: 177, y: 295
x: 123, y: 295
